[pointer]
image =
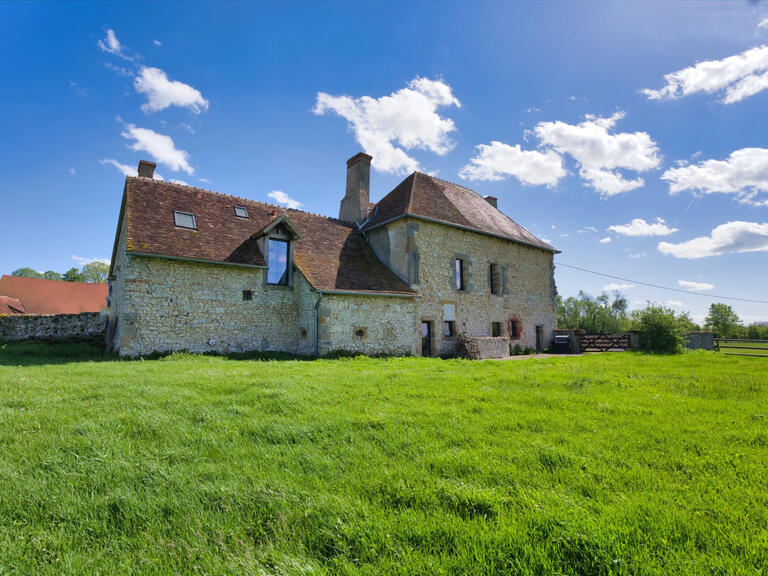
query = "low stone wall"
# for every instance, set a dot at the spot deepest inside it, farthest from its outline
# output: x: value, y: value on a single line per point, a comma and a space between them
x: 482, y: 348
x: 52, y: 327
x: 699, y: 341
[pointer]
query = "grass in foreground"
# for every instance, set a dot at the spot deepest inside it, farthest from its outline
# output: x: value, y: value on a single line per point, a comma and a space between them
x: 607, y: 464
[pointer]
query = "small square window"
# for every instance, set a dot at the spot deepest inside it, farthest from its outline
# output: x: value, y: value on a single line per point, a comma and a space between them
x: 241, y: 211
x: 496, y: 329
x: 184, y: 220
x: 247, y: 294
x: 449, y: 329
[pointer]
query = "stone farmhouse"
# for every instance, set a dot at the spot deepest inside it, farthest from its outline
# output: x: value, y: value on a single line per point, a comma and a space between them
x: 201, y: 271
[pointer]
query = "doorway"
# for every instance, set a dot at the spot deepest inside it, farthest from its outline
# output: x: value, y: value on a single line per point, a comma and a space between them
x: 426, y: 338
x: 539, y: 339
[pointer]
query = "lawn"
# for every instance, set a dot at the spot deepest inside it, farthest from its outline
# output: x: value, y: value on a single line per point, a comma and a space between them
x: 617, y: 463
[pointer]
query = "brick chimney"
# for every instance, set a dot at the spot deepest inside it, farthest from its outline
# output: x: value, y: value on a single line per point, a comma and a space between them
x: 354, y: 205
x: 492, y: 200
x: 147, y: 169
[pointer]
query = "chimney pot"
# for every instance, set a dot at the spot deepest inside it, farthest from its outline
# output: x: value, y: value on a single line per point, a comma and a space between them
x: 354, y: 205
x: 492, y: 200
x: 146, y: 169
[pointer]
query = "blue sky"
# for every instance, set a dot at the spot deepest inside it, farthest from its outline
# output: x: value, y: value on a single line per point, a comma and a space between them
x: 581, y: 117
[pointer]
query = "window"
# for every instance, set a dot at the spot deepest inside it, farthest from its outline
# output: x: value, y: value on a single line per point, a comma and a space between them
x: 514, y: 329
x: 278, y: 262
x: 459, y: 270
x: 449, y: 329
x: 493, y: 279
x: 184, y: 220
x: 241, y: 211
x: 247, y: 294
x: 495, y: 329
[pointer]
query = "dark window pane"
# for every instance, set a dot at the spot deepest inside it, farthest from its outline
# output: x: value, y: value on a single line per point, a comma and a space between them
x: 278, y: 262
x: 184, y: 220
x: 496, y: 329
x: 449, y: 328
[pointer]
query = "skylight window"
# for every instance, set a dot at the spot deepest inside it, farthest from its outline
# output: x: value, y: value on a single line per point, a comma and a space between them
x: 184, y: 220
x: 241, y: 211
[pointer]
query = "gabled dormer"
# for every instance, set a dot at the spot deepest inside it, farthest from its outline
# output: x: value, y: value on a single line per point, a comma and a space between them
x: 276, y: 241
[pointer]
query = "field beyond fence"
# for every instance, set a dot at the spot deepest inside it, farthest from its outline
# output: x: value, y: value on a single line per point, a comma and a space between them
x: 741, y: 347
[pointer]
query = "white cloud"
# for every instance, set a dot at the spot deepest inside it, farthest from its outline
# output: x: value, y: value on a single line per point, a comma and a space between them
x: 118, y: 70
x: 162, y: 93
x: 72, y: 171
x: 729, y: 238
x: 695, y: 286
x: 405, y: 120
x: 605, y: 240
x: 639, y: 227
x: 637, y: 255
x: 126, y: 169
x: 157, y: 43
x: 547, y: 240
x: 586, y: 229
x: 111, y: 45
x: 82, y: 260
x: 497, y: 161
x: 744, y: 173
x: 763, y: 23
x: 675, y: 303
x: 740, y: 76
x: 282, y: 198
x: 602, y: 154
x: 617, y: 287
x: 159, y: 146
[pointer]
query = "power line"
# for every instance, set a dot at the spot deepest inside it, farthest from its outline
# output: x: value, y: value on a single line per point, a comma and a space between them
x: 660, y: 287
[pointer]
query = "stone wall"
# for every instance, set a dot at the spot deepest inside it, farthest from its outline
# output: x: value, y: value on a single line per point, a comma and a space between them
x: 699, y: 341
x: 485, y: 348
x: 424, y: 252
x: 52, y: 327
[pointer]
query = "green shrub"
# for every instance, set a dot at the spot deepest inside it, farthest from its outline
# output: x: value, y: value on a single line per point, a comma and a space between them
x: 660, y: 331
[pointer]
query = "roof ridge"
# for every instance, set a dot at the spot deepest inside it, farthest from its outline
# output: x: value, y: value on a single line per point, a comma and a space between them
x: 167, y: 182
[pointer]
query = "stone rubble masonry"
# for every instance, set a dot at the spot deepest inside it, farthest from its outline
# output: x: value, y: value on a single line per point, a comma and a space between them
x: 52, y: 327
x: 700, y: 341
x: 486, y: 347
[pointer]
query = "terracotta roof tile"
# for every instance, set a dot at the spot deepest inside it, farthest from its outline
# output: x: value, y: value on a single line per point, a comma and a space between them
x: 331, y: 254
x: 430, y: 197
x: 40, y: 296
x: 10, y: 305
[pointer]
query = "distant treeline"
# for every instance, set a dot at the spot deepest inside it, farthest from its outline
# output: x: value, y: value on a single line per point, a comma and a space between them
x: 93, y: 272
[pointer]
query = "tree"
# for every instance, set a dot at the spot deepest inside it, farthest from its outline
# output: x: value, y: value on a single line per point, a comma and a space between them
x: 73, y: 275
x: 51, y: 275
x: 686, y: 323
x: 26, y: 273
x: 95, y: 272
x: 660, y: 331
x: 593, y: 315
x: 723, y: 321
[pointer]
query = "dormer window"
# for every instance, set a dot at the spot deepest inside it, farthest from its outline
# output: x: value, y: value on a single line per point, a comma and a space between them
x: 279, y: 251
x: 241, y: 211
x: 184, y: 220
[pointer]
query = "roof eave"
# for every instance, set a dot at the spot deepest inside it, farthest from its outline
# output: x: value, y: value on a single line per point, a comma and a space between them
x: 198, y: 260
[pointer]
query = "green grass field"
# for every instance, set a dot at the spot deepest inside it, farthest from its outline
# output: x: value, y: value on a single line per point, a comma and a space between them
x: 606, y: 464
x: 757, y: 348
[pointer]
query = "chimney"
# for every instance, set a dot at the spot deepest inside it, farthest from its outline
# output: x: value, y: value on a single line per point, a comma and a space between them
x: 147, y: 169
x: 492, y: 200
x: 354, y: 205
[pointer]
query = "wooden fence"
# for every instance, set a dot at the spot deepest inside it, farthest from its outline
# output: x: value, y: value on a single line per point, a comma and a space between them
x: 603, y: 342
x: 757, y: 347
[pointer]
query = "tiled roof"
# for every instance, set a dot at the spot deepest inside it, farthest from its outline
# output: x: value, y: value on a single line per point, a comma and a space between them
x: 331, y: 254
x: 425, y: 196
x: 10, y: 305
x: 40, y: 296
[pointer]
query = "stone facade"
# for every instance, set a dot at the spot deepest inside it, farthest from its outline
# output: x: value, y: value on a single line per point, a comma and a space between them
x: 52, y: 327
x: 163, y: 304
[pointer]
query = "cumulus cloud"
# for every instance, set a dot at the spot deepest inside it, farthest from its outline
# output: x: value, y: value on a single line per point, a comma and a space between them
x: 729, y: 238
x: 82, y: 260
x: 675, y: 303
x: 739, y: 76
x: 606, y: 240
x: 586, y: 229
x: 159, y: 146
x: 111, y: 45
x: 695, y: 286
x: 744, y: 173
x: 617, y: 287
x: 763, y: 23
x: 600, y: 153
x: 639, y: 227
x: 282, y: 198
x: 157, y: 43
x: 497, y: 161
x: 407, y: 119
x: 163, y: 93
